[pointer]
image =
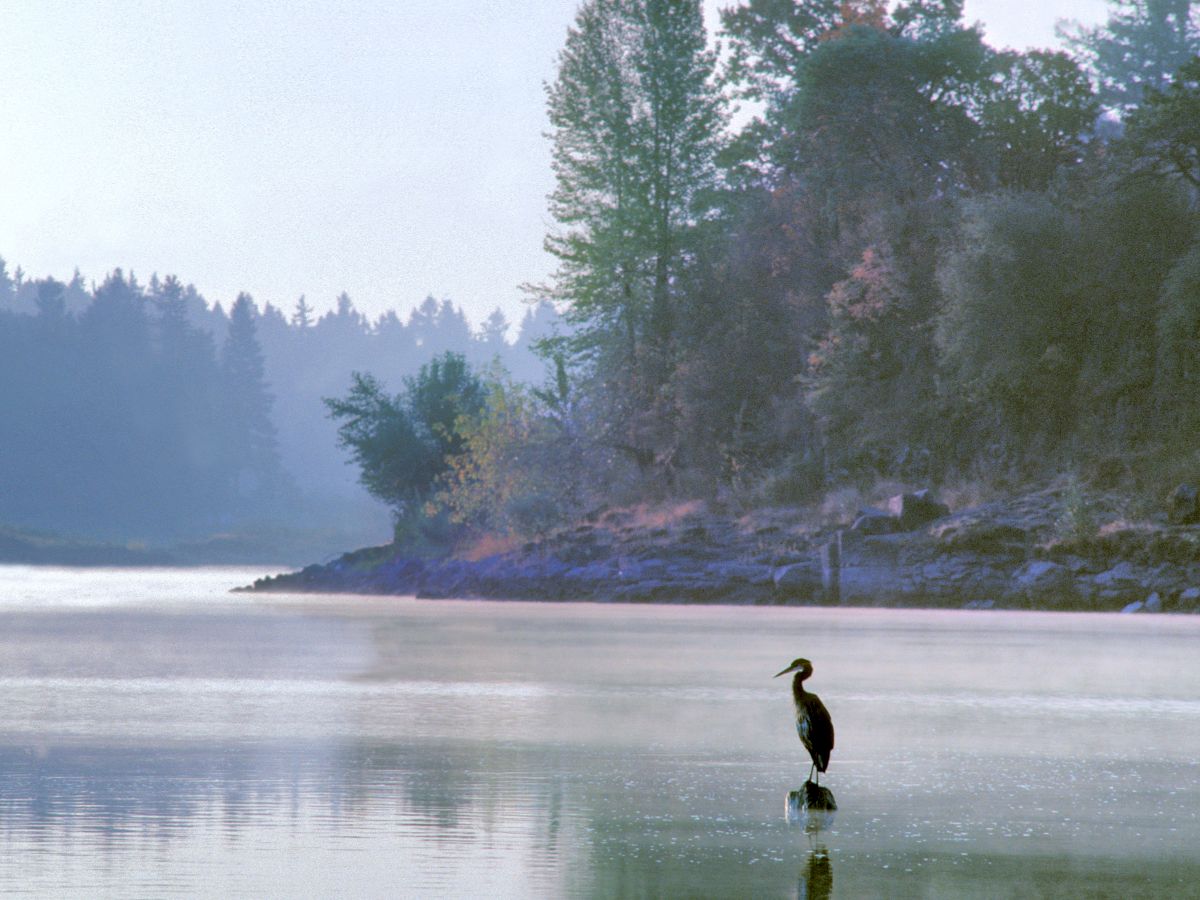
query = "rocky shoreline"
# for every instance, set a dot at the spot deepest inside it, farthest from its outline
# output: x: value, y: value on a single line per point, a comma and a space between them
x: 916, y: 553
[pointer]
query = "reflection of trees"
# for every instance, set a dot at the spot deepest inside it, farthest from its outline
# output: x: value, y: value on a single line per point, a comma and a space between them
x: 135, y: 791
x: 127, y: 793
x: 577, y: 821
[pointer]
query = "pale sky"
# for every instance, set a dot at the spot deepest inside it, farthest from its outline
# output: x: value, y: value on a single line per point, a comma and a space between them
x: 286, y: 147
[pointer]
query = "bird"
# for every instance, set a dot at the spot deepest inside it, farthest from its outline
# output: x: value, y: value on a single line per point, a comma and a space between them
x: 813, y: 722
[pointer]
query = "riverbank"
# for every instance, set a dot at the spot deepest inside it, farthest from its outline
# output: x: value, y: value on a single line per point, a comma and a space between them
x: 1018, y: 553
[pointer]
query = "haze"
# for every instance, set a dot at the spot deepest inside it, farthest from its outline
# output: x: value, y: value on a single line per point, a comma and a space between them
x: 388, y: 150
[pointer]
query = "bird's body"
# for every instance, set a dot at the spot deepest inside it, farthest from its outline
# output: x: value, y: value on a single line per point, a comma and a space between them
x: 813, y: 722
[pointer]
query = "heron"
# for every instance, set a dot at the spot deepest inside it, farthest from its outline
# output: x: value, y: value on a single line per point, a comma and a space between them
x: 813, y: 723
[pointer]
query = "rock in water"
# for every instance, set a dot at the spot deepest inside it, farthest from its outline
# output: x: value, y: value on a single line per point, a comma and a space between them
x: 818, y: 798
x: 812, y: 806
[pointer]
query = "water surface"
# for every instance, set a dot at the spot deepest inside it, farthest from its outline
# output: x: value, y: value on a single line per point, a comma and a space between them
x: 161, y: 736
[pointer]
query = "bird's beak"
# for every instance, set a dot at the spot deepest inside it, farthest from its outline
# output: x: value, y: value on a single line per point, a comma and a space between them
x: 784, y: 672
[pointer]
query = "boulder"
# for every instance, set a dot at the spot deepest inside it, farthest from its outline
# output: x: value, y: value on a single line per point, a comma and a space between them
x: 1153, y: 603
x: 1120, y: 583
x: 875, y: 521
x: 1043, y: 583
x: 1188, y: 600
x: 916, y: 509
x: 1136, y: 606
x: 982, y: 530
x: 797, y: 580
x: 1183, y: 505
x: 812, y: 806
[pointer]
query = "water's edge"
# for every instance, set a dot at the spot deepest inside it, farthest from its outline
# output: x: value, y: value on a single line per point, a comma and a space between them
x: 1006, y: 555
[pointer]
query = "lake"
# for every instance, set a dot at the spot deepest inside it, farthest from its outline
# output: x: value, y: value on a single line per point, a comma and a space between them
x: 164, y: 737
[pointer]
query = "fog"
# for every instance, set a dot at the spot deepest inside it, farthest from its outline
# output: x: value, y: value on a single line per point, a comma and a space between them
x: 140, y: 412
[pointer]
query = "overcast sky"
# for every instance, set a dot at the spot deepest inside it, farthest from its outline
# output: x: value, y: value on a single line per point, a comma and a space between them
x: 287, y: 147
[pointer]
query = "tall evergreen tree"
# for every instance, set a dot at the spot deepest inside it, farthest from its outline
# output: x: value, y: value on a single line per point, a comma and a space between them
x: 302, y: 316
x: 248, y: 404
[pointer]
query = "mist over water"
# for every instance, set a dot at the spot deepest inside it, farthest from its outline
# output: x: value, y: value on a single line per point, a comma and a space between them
x: 163, y: 736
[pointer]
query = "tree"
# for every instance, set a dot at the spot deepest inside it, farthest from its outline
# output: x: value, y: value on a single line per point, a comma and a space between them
x: 636, y: 117
x: 302, y: 316
x: 1048, y: 332
x: 493, y: 333
x: 188, y: 404
x: 1164, y: 133
x: 7, y: 286
x: 396, y: 464
x: 771, y: 40
x: 1178, y: 336
x: 521, y: 470
x: 1036, y: 117
x: 247, y: 402
x: 404, y: 443
x: 1139, y: 48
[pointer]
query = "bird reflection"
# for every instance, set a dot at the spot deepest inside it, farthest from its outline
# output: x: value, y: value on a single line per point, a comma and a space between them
x: 816, y: 878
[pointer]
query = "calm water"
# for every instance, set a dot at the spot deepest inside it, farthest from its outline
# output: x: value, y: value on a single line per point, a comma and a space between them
x: 162, y: 737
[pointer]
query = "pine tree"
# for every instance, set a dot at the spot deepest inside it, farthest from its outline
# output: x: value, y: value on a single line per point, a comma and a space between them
x: 252, y: 438
x: 302, y: 317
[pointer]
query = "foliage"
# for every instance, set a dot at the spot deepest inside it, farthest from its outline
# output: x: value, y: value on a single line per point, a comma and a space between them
x: 1164, y: 133
x: 531, y: 459
x: 403, y: 443
x: 1036, y: 117
x: 1077, y: 522
x: 1138, y: 49
x: 1178, y: 337
x: 248, y: 402
x: 636, y: 119
x: 1047, y: 333
x: 871, y: 374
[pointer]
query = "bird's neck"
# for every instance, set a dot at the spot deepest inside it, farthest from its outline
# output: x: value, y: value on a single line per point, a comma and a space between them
x: 798, y: 684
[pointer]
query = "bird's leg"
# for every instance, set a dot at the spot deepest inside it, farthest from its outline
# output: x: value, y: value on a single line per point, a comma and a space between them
x: 811, y: 770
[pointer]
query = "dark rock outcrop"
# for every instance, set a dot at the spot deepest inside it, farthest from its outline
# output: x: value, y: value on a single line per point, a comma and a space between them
x: 1003, y: 554
x: 912, y: 511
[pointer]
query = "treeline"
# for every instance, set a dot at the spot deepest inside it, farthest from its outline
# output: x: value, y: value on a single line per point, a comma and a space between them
x: 136, y: 411
x: 924, y: 259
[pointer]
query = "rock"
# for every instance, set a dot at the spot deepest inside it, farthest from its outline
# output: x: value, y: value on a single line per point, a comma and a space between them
x: 875, y: 521
x: 1183, y: 505
x: 1189, y: 599
x: 797, y: 580
x: 1136, y: 606
x: 1041, y: 582
x: 981, y: 530
x: 916, y: 509
x: 1121, y: 583
x: 812, y: 805
x: 1153, y: 603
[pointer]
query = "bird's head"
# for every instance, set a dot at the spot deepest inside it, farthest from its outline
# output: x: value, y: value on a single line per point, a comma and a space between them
x: 798, y: 665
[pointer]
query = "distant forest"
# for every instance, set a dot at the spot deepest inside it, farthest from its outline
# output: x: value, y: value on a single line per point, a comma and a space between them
x: 911, y: 257
x: 143, y: 412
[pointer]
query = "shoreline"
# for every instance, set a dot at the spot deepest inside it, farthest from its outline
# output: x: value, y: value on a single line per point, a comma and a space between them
x: 1007, y: 554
